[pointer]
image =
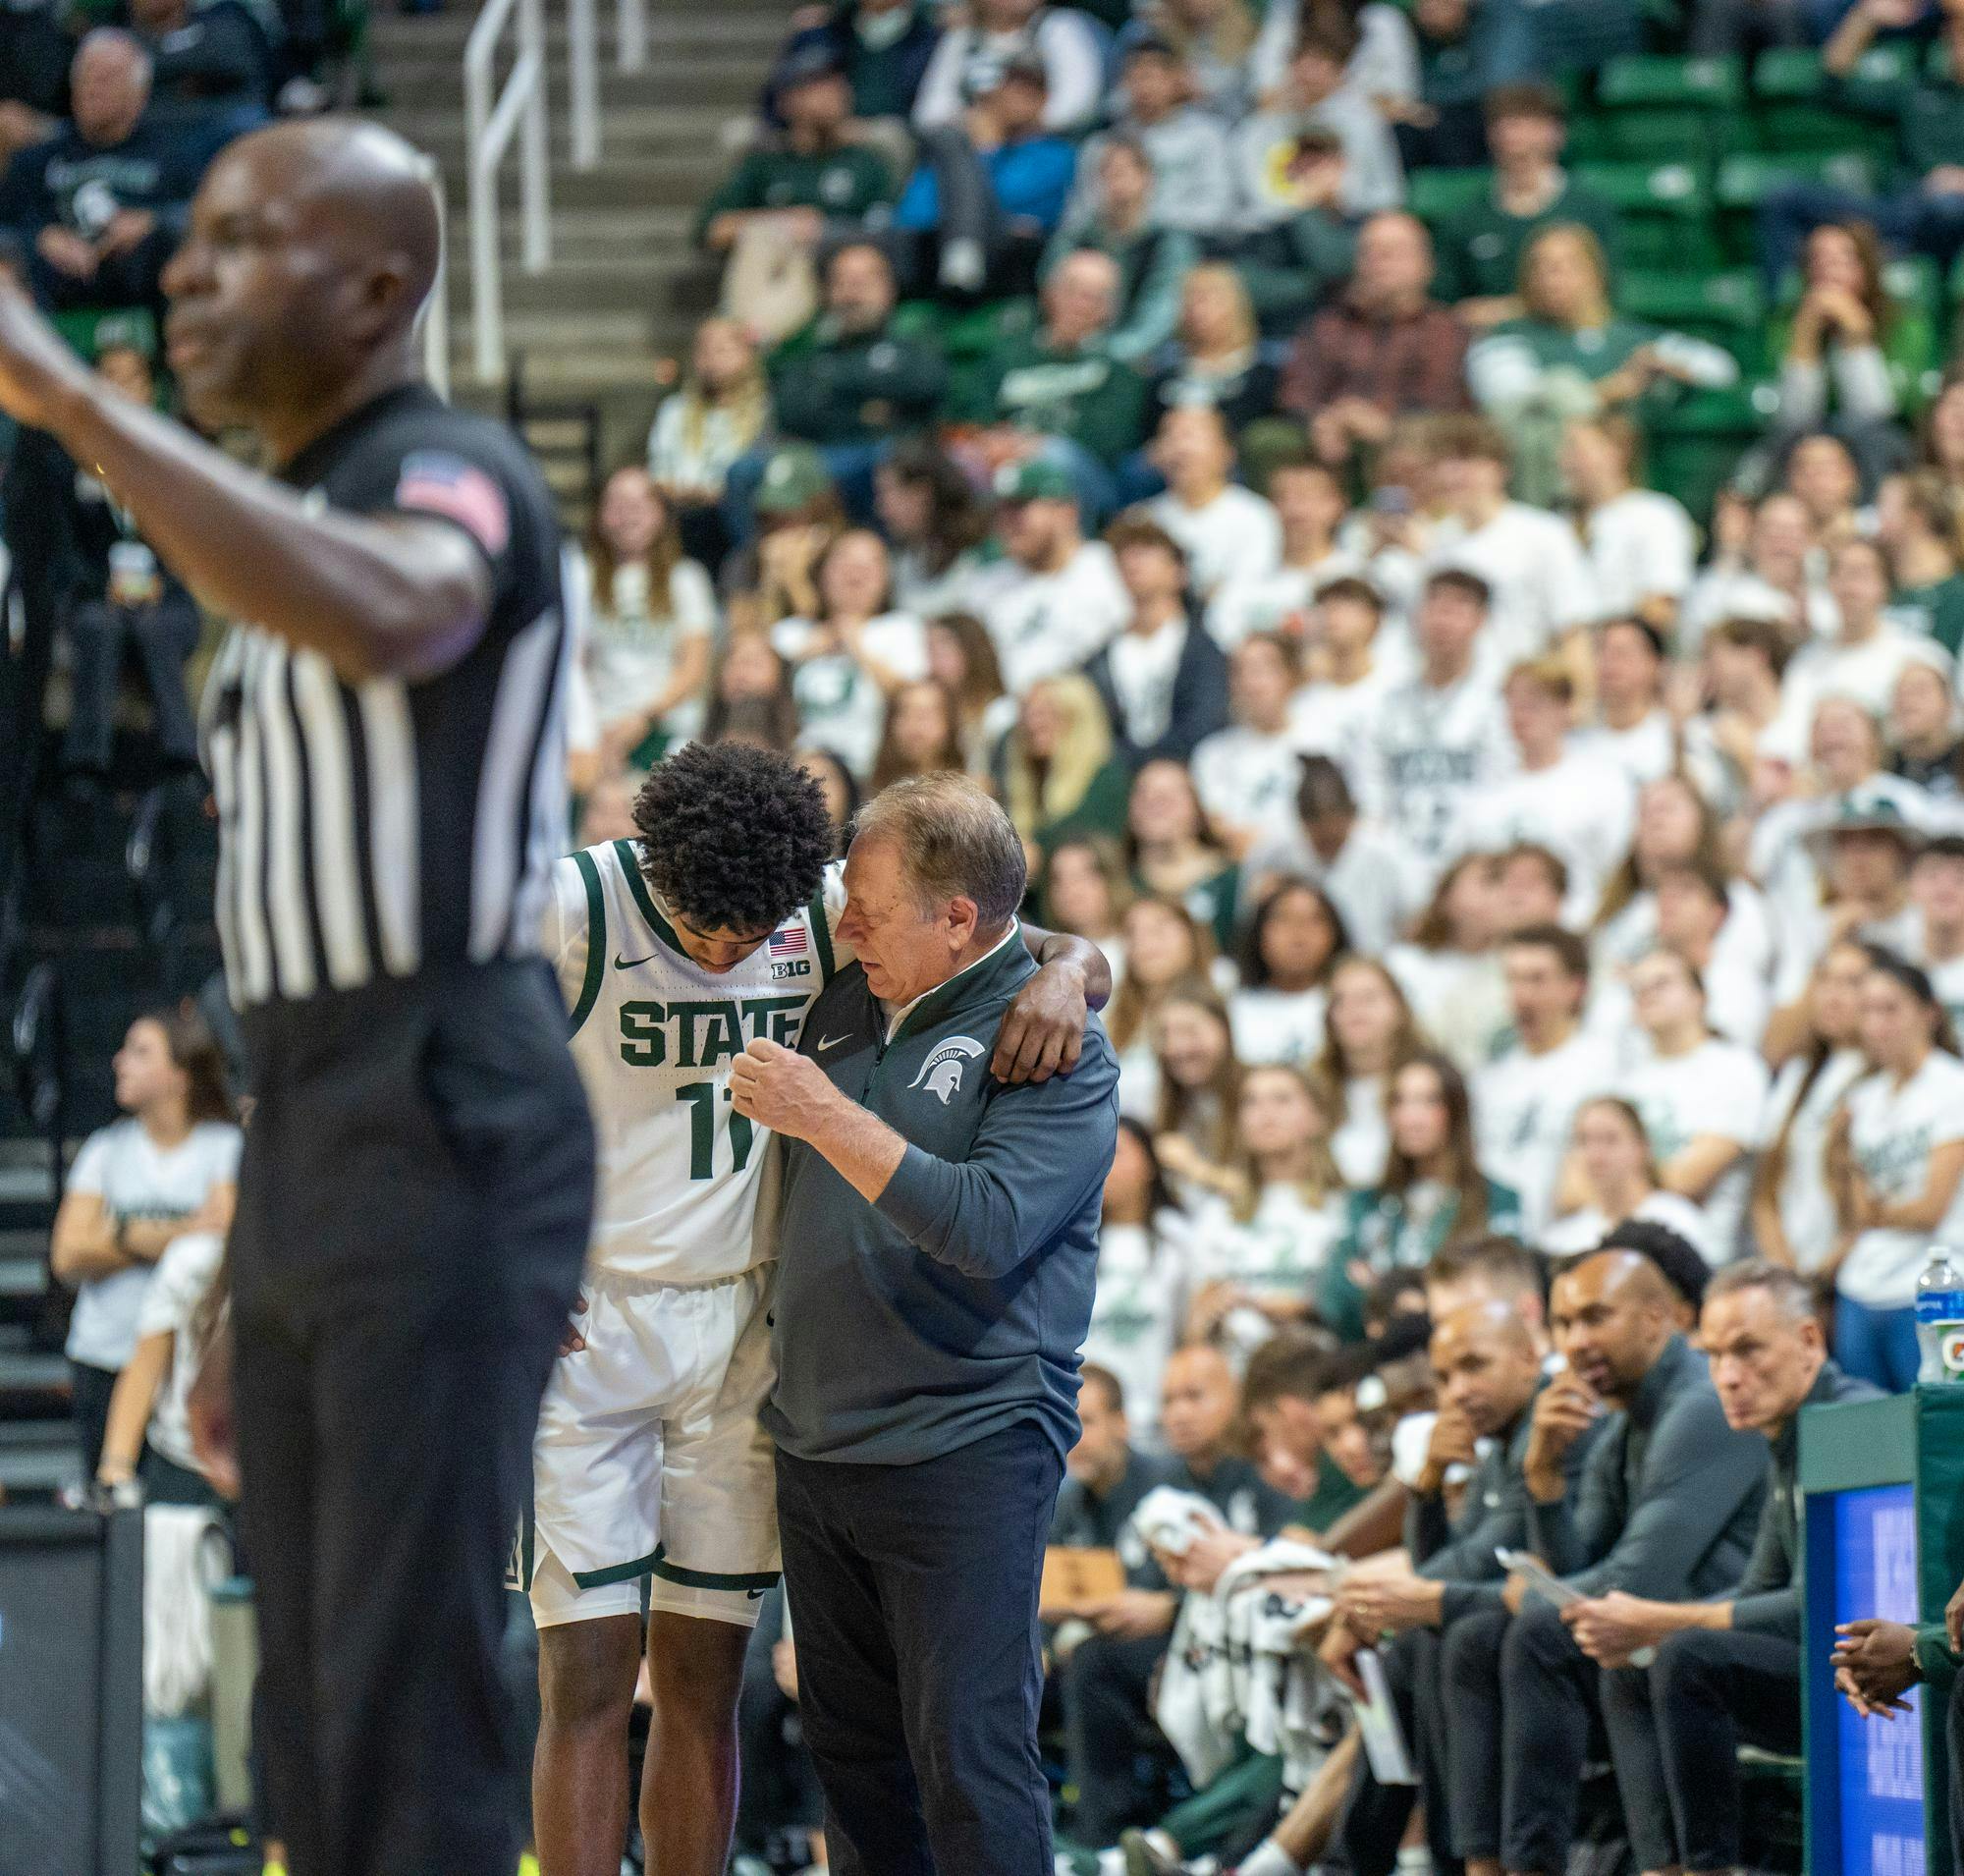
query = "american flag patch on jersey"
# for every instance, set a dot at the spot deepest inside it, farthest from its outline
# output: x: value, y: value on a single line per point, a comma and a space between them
x: 439, y: 483
x: 789, y: 942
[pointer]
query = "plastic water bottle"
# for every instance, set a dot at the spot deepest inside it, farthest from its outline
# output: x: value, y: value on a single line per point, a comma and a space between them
x: 1939, y: 1317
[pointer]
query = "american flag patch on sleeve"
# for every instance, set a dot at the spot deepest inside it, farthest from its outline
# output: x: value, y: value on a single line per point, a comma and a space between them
x: 437, y: 483
x: 789, y: 942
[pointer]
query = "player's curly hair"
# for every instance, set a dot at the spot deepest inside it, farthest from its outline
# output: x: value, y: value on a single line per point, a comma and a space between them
x: 734, y: 837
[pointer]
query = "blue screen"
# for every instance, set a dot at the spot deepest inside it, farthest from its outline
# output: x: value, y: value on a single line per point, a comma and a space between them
x: 1881, y: 1760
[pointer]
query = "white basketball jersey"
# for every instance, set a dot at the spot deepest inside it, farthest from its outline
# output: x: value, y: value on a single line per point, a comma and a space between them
x: 685, y: 1182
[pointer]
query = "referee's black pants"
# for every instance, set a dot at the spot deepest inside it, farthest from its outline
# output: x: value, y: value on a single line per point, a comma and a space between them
x: 414, y: 1205
x: 1675, y: 1734
x: 913, y: 1605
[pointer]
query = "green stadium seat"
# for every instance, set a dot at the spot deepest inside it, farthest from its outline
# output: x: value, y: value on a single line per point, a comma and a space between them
x: 1745, y: 180
x: 1657, y: 106
x: 1694, y: 445
x: 1790, y: 96
x: 1433, y: 195
x: 1663, y: 211
x: 1727, y: 308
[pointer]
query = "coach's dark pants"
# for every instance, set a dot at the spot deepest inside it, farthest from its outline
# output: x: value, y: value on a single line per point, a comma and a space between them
x: 1372, y: 1823
x: 1521, y: 1706
x: 414, y: 1206
x: 1674, y: 1733
x: 913, y: 1606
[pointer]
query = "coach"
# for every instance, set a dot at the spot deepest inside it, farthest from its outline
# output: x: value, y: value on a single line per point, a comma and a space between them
x: 935, y: 1280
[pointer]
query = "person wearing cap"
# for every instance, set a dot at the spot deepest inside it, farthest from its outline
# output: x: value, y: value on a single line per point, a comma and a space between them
x: 1053, y: 598
x: 968, y: 62
x: 1480, y: 245
x: 1162, y: 680
x: 883, y: 47
x: 1061, y: 384
x: 1192, y: 186
x: 987, y: 191
x: 797, y: 514
x: 810, y: 175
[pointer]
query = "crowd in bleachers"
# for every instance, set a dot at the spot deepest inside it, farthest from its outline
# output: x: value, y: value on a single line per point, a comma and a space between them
x: 1441, y: 524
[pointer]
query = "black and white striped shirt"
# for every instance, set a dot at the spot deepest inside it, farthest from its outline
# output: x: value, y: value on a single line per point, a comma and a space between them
x: 380, y: 829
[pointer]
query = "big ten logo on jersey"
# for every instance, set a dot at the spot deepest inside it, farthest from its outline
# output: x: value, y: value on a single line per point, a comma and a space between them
x: 791, y: 953
x: 700, y: 1032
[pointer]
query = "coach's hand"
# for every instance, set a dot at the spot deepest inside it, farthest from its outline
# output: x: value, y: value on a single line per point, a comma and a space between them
x: 1043, y: 1030
x: 781, y: 1089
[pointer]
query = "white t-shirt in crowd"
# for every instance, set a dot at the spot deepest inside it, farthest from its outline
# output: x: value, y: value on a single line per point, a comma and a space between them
x: 1806, y: 1209
x: 1273, y: 599
x: 1644, y: 751
x: 630, y: 655
x: 1541, y: 583
x: 135, y: 1178
x: 182, y: 1274
x: 1360, y: 1145
x: 1893, y: 1131
x: 1043, y: 624
x: 1585, y: 1230
x: 1332, y: 719
x: 1276, y: 1253
x: 1524, y: 1109
x: 1867, y: 672
x: 1718, y: 1089
x: 1233, y: 537
x: 1427, y: 755
x: 1583, y: 809
x: 1248, y: 780
x: 841, y: 704
x: 1738, y: 593
x: 1374, y: 881
x: 1459, y: 998
x: 1144, y: 1285
x: 1640, y: 545
x: 1278, y: 1026
x: 1144, y: 666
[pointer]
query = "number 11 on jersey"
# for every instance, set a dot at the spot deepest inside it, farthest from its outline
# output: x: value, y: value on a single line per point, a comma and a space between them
x: 702, y: 1099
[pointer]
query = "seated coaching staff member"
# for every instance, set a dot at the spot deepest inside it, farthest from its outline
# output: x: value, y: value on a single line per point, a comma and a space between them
x: 384, y: 733
x: 936, y: 1265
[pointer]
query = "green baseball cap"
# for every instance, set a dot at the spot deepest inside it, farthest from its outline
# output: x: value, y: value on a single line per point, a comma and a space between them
x: 792, y: 478
x: 1034, y: 479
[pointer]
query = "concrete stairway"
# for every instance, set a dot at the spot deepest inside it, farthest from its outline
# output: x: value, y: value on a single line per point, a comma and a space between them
x: 626, y: 286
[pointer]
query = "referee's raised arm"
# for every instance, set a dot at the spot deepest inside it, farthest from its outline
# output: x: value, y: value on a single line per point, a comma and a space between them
x: 294, y: 302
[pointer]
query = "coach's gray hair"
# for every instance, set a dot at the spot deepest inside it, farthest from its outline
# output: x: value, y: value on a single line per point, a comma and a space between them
x: 1790, y: 1291
x: 955, y: 842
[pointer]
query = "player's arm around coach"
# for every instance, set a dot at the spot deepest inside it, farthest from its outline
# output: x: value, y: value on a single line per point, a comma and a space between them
x: 937, y: 1253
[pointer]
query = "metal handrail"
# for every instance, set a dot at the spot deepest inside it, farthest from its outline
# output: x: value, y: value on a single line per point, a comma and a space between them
x: 520, y: 109
x: 489, y: 129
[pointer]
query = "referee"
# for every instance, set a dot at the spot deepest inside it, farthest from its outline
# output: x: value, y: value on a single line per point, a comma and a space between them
x: 383, y: 728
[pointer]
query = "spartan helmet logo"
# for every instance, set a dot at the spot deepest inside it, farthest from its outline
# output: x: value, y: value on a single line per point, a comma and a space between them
x: 942, y: 1071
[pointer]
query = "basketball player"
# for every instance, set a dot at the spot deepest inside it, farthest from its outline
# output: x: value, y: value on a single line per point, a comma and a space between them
x: 383, y: 728
x: 675, y: 952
